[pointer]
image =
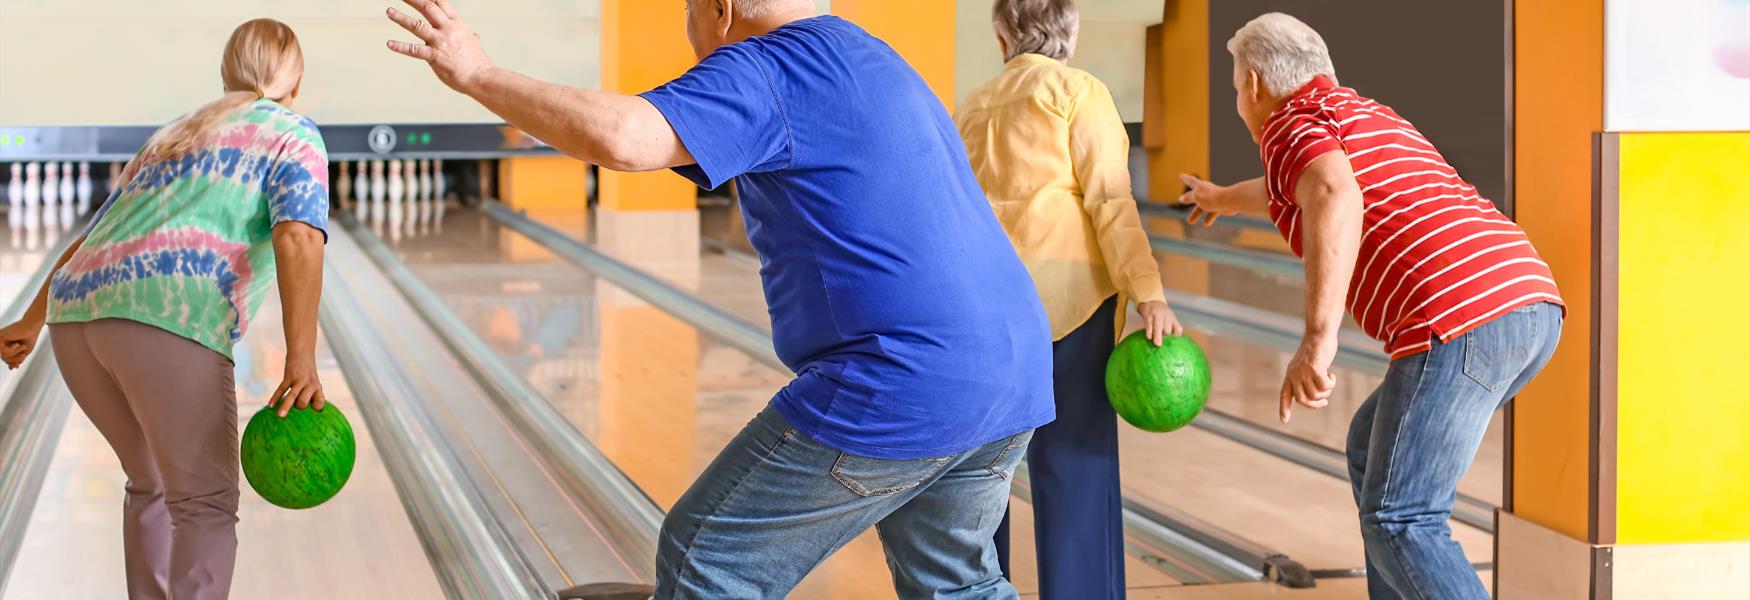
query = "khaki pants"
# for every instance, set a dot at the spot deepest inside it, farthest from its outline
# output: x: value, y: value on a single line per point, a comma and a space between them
x: 168, y: 407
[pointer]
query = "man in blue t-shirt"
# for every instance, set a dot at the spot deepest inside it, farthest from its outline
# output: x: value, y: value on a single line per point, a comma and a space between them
x: 921, y: 352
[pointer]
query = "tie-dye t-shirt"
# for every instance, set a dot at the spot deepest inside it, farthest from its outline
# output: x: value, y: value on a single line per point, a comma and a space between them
x: 186, y: 244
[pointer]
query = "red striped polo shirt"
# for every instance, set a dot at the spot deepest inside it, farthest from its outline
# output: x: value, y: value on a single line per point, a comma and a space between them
x: 1437, y: 259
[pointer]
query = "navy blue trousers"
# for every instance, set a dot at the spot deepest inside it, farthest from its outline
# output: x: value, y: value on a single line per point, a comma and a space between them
x: 1078, y: 527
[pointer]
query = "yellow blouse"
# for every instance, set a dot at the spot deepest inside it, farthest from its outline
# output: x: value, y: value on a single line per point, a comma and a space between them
x: 1050, y: 151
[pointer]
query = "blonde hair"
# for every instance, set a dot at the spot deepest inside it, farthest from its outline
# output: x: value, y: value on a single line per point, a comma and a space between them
x: 1284, y: 51
x: 262, y: 60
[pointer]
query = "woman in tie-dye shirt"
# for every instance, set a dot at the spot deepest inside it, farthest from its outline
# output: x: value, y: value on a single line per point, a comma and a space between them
x: 145, y: 308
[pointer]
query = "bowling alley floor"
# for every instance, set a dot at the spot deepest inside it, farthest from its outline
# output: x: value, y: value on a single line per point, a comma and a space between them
x: 661, y: 409
x: 661, y: 398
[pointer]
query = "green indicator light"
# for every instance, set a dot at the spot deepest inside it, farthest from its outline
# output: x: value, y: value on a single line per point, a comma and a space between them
x: 19, y: 140
x: 425, y: 138
x: 412, y: 139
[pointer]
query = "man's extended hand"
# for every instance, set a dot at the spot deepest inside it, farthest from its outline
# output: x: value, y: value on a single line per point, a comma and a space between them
x: 1209, y: 201
x: 1309, y: 380
x: 451, y: 47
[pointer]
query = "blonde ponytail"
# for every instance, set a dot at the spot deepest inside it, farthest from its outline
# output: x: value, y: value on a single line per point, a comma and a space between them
x: 262, y: 60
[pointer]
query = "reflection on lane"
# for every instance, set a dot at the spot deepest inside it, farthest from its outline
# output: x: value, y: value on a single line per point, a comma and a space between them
x: 358, y: 545
x: 1255, y: 479
x: 650, y: 392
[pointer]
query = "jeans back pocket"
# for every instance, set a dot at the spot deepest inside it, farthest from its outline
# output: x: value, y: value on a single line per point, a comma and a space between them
x: 1007, y: 459
x: 1495, y: 356
x: 868, y: 477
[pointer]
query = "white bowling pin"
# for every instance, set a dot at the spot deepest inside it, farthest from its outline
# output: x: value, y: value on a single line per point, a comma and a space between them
x: 51, y: 195
x: 410, y: 191
x: 437, y: 194
x: 396, y: 187
x: 427, y: 195
x: 83, y: 187
x: 379, y: 195
x: 361, y: 190
x: 33, y: 193
x: 343, y: 186
x: 15, y: 190
x: 67, y: 189
x: 33, y: 181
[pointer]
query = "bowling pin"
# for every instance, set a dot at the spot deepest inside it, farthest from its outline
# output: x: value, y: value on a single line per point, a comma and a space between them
x: 67, y: 186
x: 396, y: 186
x: 83, y: 188
x: 15, y: 192
x: 361, y: 190
x: 410, y: 190
x: 343, y: 187
x: 51, y: 195
x: 67, y: 189
x: 424, y: 195
x: 437, y: 193
x: 33, y: 193
x: 379, y: 196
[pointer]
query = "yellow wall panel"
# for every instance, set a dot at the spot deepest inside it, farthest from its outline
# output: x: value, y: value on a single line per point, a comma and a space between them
x: 1683, y: 406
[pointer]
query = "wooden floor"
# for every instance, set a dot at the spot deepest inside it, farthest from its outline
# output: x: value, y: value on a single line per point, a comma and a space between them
x: 360, y: 545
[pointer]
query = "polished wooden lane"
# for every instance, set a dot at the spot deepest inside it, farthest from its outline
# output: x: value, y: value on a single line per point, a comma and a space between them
x: 661, y: 402
x: 360, y: 545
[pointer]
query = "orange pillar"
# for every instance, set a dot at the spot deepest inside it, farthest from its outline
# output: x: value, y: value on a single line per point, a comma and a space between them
x: 649, y: 360
x: 543, y: 183
x: 922, y: 31
x: 1558, y: 105
x: 1176, y: 110
x: 644, y: 45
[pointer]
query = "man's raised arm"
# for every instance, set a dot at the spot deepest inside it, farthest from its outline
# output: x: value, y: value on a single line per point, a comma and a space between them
x: 616, y: 131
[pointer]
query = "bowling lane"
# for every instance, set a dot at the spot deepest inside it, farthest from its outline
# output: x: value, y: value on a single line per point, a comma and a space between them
x: 1226, y: 483
x: 651, y: 392
x: 22, y: 251
x: 360, y: 545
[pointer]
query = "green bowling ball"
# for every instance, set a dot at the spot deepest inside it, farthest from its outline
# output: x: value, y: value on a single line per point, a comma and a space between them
x: 1157, y: 389
x: 299, y: 461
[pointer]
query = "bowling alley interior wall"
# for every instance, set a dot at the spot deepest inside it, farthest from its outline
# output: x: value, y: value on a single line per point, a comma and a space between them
x: 148, y: 61
x: 138, y: 62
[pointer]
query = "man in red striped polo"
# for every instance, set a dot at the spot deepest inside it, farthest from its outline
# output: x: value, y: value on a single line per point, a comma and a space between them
x: 1466, y: 308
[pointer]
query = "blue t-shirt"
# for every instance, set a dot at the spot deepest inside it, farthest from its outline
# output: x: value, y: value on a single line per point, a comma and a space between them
x: 912, y: 326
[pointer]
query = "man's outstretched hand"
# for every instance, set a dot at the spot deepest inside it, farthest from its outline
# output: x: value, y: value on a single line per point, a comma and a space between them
x: 451, y: 47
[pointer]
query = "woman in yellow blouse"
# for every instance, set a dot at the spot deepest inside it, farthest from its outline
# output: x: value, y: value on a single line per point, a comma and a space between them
x: 1050, y: 151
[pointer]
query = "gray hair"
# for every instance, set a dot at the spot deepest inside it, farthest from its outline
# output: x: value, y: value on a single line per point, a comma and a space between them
x: 749, y: 9
x: 1284, y: 51
x: 1046, y: 27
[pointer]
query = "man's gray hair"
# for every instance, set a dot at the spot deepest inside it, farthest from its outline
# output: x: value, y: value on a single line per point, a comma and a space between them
x: 1046, y: 27
x: 749, y: 9
x: 1284, y: 51
x: 753, y: 9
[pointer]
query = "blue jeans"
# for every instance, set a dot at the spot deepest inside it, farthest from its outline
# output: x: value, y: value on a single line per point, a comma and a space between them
x: 774, y: 504
x: 1417, y: 434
